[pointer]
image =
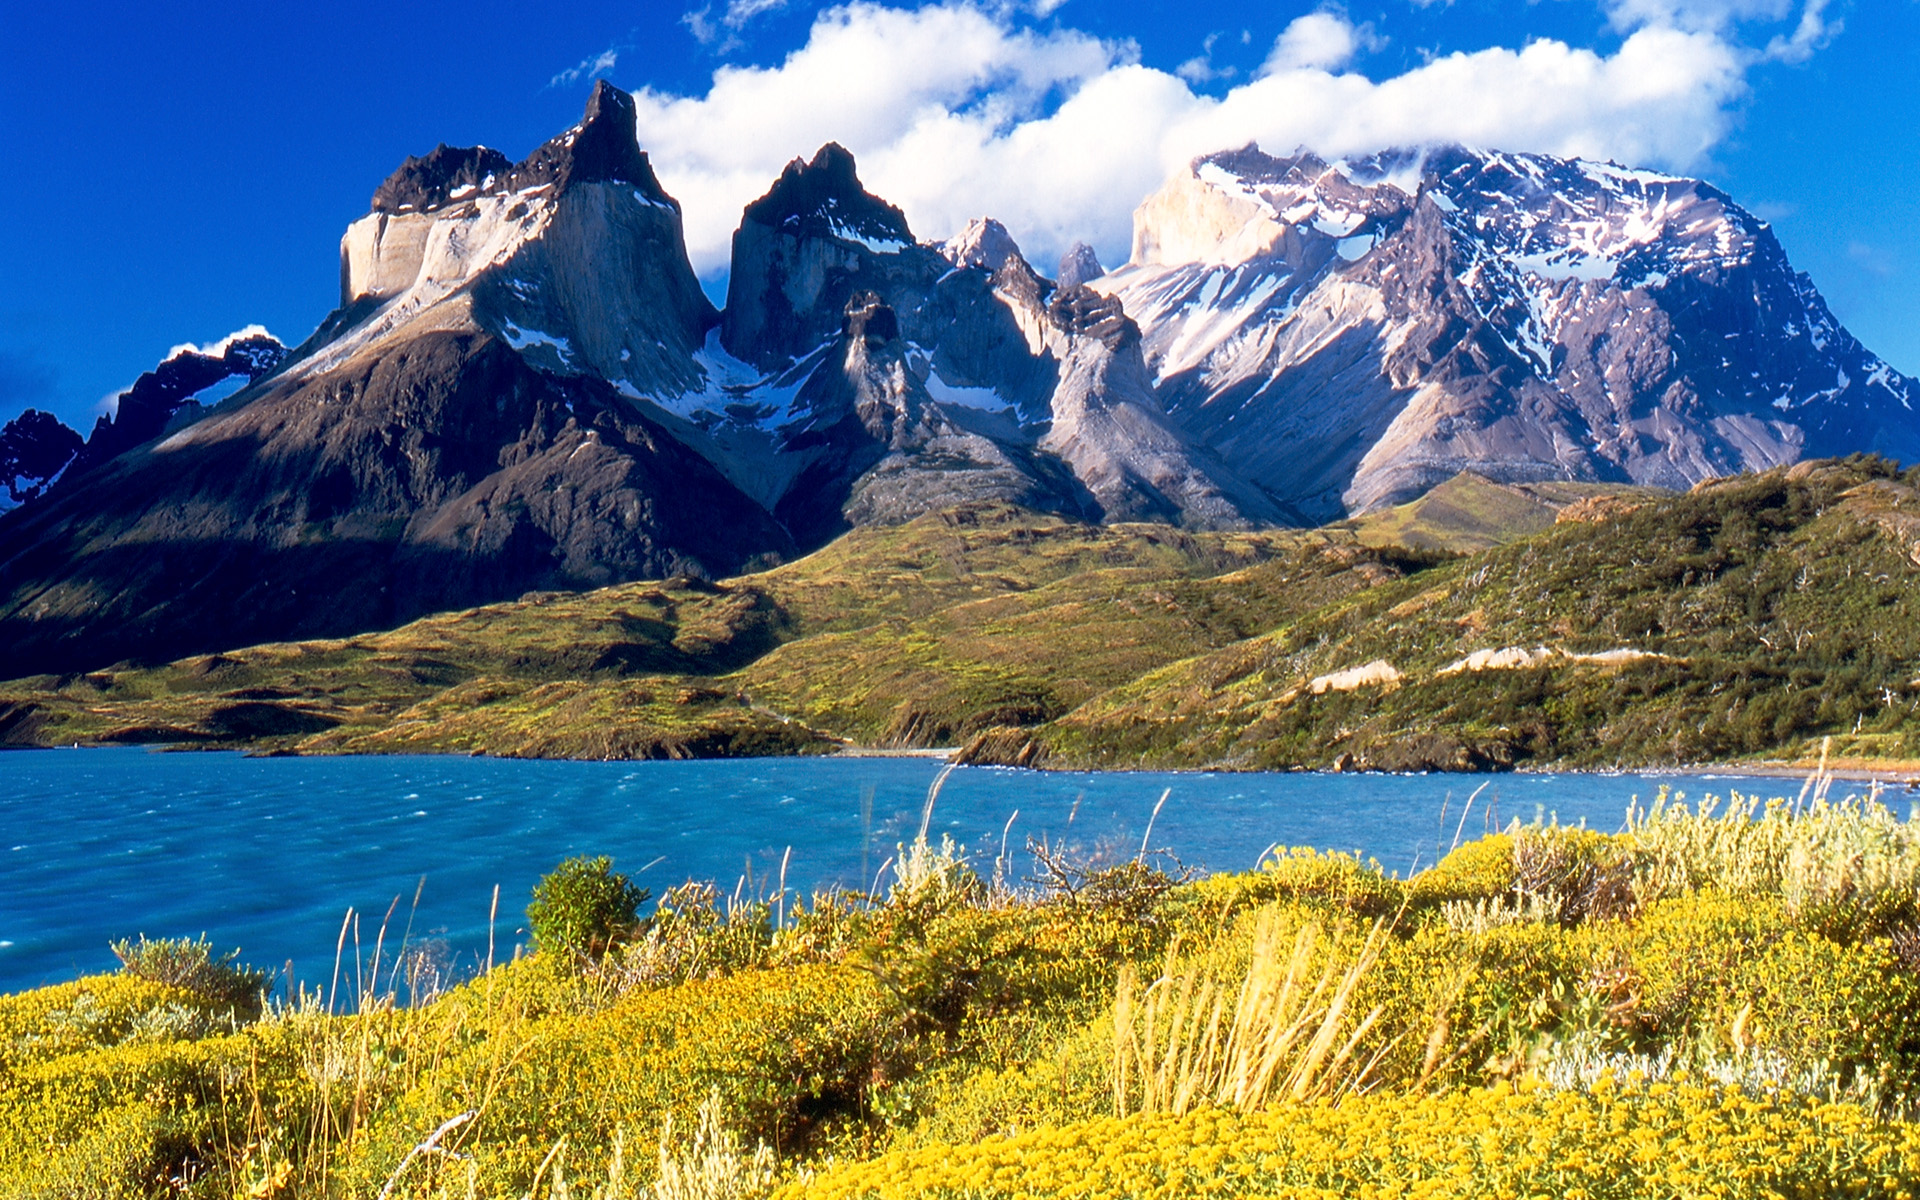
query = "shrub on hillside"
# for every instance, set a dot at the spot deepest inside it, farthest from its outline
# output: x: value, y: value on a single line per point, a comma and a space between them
x: 191, y: 964
x: 582, y: 907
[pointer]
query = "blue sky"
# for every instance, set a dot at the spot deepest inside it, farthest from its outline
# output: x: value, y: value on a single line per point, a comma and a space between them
x: 179, y: 171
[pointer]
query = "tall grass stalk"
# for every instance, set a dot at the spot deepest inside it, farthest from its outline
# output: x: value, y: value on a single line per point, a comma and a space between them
x: 1285, y: 1032
x: 1848, y: 851
x: 712, y: 1165
x: 1150, y: 820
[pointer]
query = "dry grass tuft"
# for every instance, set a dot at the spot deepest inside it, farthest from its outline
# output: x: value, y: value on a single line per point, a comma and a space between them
x: 1285, y: 1033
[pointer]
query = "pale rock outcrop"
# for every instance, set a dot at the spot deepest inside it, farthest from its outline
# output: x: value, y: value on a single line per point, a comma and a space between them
x: 1520, y: 658
x: 1378, y: 673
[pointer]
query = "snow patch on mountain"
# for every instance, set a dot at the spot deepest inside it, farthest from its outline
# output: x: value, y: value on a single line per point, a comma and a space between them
x: 1358, y: 330
x: 219, y: 347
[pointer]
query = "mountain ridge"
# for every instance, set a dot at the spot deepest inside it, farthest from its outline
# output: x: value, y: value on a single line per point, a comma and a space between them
x: 1292, y: 341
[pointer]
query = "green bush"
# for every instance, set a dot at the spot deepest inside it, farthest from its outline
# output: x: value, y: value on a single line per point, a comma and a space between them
x: 190, y: 964
x: 582, y: 907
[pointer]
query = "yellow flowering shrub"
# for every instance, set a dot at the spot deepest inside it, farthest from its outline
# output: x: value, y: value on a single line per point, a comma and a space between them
x: 1737, y: 973
x: 1659, y: 1141
x: 1336, y: 880
x: 142, y: 1100
x: 1474, y: 871
x: 1458, y: 1007
x: 49, y: 1022
x: 781, y: 1045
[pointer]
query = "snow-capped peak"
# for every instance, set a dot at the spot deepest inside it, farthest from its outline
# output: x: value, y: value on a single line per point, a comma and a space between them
x: 985, y: 242
x: 219, y: 348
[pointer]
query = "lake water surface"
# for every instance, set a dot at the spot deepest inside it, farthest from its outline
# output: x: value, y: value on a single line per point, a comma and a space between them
x: 267, y: 854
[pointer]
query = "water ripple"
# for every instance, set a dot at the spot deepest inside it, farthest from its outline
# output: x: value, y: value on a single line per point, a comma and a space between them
x: 267, y: 854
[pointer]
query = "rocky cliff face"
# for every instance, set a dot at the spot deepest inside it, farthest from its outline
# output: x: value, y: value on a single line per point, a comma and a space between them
x: 1108, y: 426
x: 465, y: 428
x: 574, y: 257
x: 808, y: 246
x: 836, y: 316
x: 1348, y: 335
x: 880, y: 449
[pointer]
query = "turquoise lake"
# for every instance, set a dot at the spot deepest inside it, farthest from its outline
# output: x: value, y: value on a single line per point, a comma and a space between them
x: 268, y: 854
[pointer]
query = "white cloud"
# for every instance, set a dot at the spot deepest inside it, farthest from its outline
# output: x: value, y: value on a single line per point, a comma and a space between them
x: 588, y: 68
x: 1319, y: 41
x: 955, y: 112
x: 1811, y: 32
x: 1200, y: 68
x: 739, y: 12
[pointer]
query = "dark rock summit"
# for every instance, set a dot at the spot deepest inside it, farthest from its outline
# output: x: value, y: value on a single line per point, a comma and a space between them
x: 823, y: 198
x: 805, y: 248
x: 34, y: 448
x: 445, y: 173
x: 1079, y: 266
x: 600, y: 149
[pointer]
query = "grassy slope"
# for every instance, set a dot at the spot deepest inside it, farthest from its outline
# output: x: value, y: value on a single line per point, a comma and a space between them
x: 1774, y: 610
x: 1022, y: 657
x: 656, y: 669
x: 1470, y: 513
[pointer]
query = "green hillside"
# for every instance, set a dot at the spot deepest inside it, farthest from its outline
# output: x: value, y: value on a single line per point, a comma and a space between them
x: 1748, y: 618
x: 668, y: 669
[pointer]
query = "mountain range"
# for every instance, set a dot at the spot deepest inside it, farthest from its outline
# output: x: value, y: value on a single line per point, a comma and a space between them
x: 525, y: 388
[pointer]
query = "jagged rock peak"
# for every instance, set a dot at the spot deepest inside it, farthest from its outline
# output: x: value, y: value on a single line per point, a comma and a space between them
x: 34, y: 448
x: 1083, y: 312
x: 824, y: 198
x: 430, y: 180
x: 602, y: 148
x: 1079, y: 265
x: 251, y: 352
x: 145, y: 409
x: 985, y: 242
x: 870, y: 319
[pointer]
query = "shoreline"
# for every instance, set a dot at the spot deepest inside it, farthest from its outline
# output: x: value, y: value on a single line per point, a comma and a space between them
x: 1903, y: 773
